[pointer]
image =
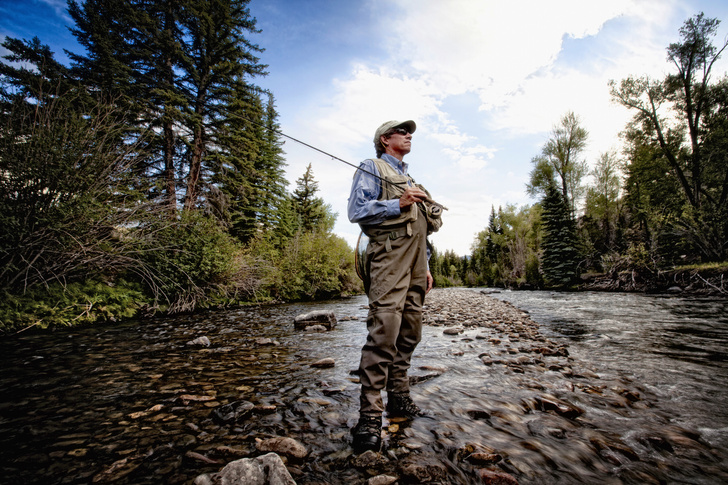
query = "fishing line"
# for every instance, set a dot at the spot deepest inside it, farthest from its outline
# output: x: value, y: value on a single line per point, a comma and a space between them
x: 334, y: 157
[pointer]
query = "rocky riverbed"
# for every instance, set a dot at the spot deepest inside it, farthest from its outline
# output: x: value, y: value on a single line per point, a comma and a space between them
x: 170, y: 401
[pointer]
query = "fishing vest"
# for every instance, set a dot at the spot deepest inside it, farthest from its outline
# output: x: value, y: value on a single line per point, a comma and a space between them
x: 395, y: 186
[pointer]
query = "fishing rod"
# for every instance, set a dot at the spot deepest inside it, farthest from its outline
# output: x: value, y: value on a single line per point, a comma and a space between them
x: 426, y: 199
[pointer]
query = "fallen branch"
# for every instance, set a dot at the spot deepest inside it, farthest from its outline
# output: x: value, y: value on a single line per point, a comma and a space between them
x: 29, y: 326
x: 720, y: 290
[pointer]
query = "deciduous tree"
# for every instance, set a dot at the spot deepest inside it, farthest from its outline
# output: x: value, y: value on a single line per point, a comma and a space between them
x: 559, y: 161
x: 678, y: 116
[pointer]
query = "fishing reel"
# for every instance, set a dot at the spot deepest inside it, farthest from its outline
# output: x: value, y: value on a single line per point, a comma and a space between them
x: 434, y: 210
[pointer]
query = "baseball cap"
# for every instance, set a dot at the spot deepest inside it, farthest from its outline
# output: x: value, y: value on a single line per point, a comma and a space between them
x: 385, y: 127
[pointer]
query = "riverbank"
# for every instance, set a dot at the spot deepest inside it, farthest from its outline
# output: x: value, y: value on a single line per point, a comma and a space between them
x: 143, y: 404
x: 690, y: 281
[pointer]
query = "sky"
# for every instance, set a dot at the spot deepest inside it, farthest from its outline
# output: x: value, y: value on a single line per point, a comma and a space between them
x: 486, y: 81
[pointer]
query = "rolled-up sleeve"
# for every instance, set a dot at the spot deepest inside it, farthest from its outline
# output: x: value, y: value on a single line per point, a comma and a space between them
x: 364, y: 206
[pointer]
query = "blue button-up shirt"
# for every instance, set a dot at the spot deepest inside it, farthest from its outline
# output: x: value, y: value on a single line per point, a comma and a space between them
x: 364, y: 204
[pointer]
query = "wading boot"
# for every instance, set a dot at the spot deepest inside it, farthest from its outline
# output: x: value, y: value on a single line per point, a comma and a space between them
x: 367, y: 433
x: 400, y: 405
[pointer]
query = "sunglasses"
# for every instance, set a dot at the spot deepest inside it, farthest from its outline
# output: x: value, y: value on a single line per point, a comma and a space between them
x: 400, y: 131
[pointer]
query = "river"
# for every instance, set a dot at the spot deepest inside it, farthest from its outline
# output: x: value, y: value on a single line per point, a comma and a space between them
x: 675, y: 346
x: 134, y: 402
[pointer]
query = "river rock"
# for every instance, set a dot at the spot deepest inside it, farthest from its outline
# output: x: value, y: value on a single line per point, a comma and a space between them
x: 324, y: 363
x: 264, y: 470
x: 419, y: 469
x: 233, y: 412
x: 283, y: 446
x: 492, y: 477
x: 200, y: 341
x: 382, y: 480
x: 320, y: 317
x: 546, y: 402
x: 369, y: 459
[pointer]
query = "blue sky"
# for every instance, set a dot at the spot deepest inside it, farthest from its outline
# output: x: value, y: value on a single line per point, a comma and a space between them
x: 485, y: 80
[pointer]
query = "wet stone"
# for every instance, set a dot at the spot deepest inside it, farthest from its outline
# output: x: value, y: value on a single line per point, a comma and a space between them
x: 232, y: 413
x: 324, y: 363
x: 283, y: 446
x: 323, y: 318
x: 421, y: 469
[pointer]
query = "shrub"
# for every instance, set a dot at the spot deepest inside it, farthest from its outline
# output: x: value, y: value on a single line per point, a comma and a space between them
x: 73, y: 304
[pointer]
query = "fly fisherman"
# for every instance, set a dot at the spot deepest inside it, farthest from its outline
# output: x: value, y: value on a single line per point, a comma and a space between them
x: 396, y: 215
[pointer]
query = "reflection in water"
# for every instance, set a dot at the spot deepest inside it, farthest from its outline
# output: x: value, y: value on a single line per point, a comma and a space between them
x: 130, y: 402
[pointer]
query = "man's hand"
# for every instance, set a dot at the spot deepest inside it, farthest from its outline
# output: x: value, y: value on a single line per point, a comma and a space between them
x: 411, y: 196
x: 430, y: 282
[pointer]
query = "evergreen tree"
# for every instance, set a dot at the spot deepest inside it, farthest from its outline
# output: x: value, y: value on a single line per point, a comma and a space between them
x: 217, y: 63
x: 130, y: 58
x: 182, y: 70
x: 286, y: 221
x: 48, y: 79
x: 271, y: 181
x: 312, y: 210
x: 494, y: 230
x: 560, y: 258
x: 232, y: 166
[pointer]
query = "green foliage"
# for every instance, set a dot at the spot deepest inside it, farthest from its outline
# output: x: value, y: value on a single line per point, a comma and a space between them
x: 690, y: 144
x: 312, y: 266
x: 560, y: 252
x: 638, y: 258
x: 558, y: 163
x: 93, y: 157
x: 65, y: 188
x: 59, y: 305
x: 186, y: 260
x: 503, y: 254
x: 313, y: 213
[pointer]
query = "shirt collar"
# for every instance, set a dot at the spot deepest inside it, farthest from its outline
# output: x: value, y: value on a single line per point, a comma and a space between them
x: 394, y: 162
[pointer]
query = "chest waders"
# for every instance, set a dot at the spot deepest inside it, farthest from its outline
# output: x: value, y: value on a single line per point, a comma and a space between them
x: 393, y: 186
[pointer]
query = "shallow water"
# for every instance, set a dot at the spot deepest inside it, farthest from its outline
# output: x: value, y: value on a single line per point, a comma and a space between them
x: 677, y: 347
x: 132, y: 403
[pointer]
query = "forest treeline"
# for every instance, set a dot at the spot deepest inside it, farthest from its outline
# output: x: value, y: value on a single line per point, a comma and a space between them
x: 659, y: 203
x: 147, y: 176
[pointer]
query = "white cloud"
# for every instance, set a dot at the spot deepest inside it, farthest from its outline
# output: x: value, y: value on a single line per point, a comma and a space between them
x: 527, y: 62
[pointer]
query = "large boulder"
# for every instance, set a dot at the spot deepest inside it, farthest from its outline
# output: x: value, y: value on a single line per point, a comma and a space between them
x: 323, y: 318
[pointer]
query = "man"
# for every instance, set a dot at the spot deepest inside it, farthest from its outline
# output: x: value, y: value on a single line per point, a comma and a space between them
x: 390, y: 209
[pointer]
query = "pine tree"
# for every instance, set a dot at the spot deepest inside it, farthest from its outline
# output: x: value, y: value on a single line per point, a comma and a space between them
x: 217, y: 63
x: 272, y: 181
x: 232, y: 165
x: 311, y: 209
x: 286, y: 221
x: 179, y: 69
x: 132, y: 58
x: 560, y: 250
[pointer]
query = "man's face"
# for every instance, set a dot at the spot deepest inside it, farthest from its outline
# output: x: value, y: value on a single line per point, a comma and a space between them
x: 399, y: 142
